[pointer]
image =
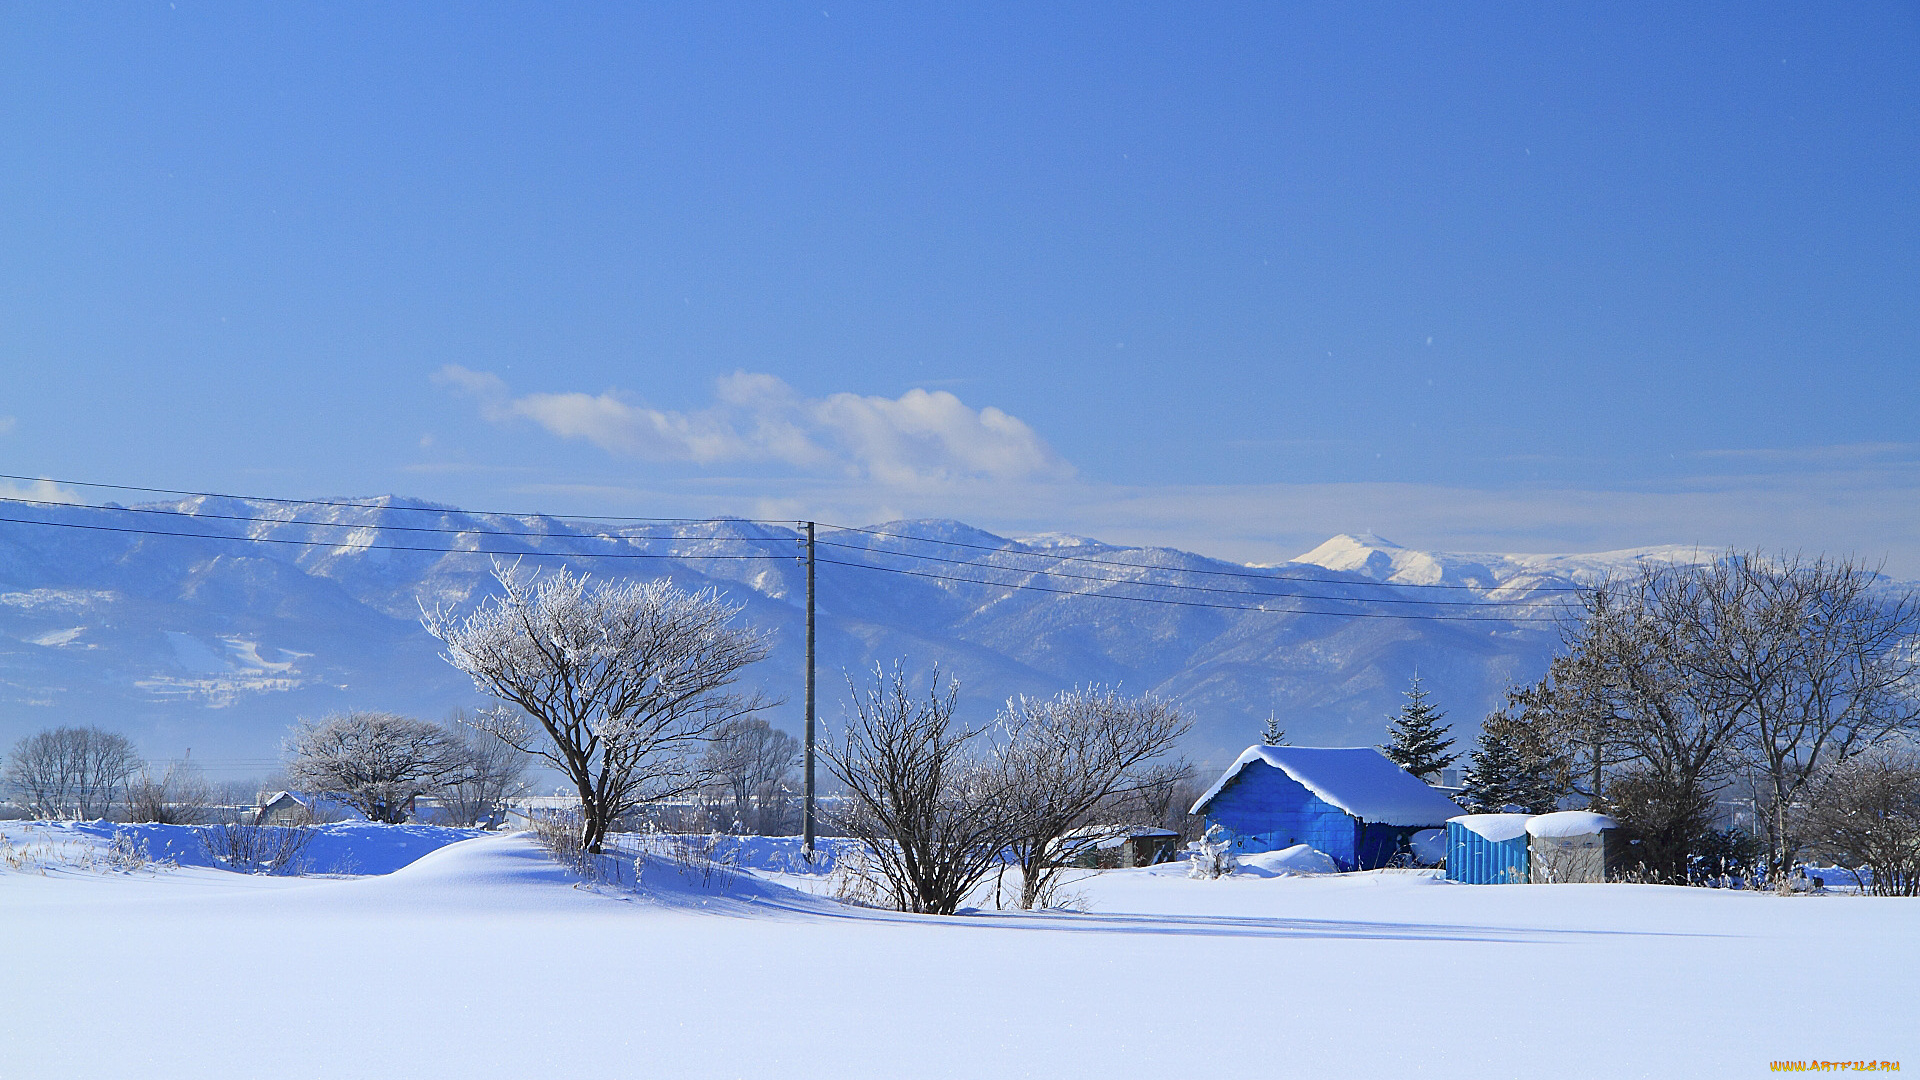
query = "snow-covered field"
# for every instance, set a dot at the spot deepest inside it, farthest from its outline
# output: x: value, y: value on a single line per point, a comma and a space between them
x: 482, y: 958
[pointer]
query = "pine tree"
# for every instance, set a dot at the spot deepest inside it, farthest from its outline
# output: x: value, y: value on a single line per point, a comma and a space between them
x: 1417, y: 741
x: 1502, y: 771
x: 1274, y: 735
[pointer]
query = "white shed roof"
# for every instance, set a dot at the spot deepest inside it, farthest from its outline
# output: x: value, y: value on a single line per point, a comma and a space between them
x: 1358, y: 779
x: 1570, y: 823
x: 1497, y: 828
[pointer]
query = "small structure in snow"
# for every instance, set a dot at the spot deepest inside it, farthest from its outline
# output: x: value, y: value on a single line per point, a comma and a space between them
x: 299, y: 808
x: 283, y: 808
x: 1352, y: 803
x: 1109, y: 847
x: 1487, y: 849
x: 1573, y: 846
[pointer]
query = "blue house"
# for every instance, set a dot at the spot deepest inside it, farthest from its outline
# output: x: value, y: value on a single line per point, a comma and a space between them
x: 1349, y: 802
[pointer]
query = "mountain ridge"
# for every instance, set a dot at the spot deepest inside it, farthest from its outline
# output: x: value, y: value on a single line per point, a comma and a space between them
x: 270, y: 611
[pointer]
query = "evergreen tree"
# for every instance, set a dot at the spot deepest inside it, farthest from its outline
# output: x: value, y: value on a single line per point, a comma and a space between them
x: 1503, y: 770
x: 1417, y: 741
x: 1274, y: 735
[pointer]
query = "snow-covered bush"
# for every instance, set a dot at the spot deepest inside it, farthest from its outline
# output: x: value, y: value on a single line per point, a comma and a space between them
x: 1212, y: 855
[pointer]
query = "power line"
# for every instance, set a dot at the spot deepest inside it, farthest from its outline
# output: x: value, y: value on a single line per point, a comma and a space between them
x: 1149, y: 566
x: 1195, y: 603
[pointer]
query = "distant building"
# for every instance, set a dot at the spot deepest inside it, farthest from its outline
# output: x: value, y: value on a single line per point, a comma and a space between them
x: 283, y: 808
x: 1352, y: 803
x: 1110, y: 847
x: 299, y: 808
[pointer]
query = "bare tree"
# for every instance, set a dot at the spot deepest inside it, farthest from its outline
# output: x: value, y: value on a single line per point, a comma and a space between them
x: 489, y: 773
x: 751, y: 761
x: 1822, y: 658
x: 375, y: 762
x: 1866, y: 812
x: 71, y: 772
x: 180, y: 795
x: 1632, y: 714
x: 1066, y: 760
x: 625, y: 680
x: 921, y: 801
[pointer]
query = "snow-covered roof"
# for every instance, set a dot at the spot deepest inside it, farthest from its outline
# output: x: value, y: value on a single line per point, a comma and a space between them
x: 1497, y: 828
x: 1358, y: 779
x: 1570, y: 823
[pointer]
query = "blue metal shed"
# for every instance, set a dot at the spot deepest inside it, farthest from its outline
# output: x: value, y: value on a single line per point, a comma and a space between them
x: 1488, y: 849
x: 1350, y: 802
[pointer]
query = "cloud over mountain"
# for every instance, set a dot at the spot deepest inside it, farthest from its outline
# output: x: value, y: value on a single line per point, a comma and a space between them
x: 923, y: 437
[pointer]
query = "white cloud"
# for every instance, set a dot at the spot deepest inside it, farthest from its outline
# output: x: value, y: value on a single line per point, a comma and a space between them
x: 924, y: 437
x: 7, y: 424
x: 37, y: 491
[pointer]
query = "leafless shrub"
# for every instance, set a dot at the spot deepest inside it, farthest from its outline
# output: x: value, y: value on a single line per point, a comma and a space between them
x: 1866, y: 813
x: 257, y: 849
x: 623, y: 681
x: 71, y: 772
x: 922, y: 802
x: 178, y: 796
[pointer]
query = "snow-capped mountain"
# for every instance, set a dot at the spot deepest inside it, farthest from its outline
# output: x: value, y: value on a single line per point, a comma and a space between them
x: 219, y: 640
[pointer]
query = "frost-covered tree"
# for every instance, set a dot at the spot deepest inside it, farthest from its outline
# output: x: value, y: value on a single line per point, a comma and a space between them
x: 1866, y: 813
x: 1073, y: 760
x: 624, y: 681
x: 71, y: 772
x: 1505, y: 768
x: 1273, y: 734
x: 1417, y: 741
x: 375, y: 762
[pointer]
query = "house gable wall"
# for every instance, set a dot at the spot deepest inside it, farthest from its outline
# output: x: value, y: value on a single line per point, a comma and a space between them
x: 1266, y: 810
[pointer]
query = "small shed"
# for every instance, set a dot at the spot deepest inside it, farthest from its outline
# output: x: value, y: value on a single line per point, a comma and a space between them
x: 301, y: 808
x: 1111, y: 847
x: 1352, y: 803
x: 283, y: 808
x: 1488, y: 849
x: 1573, y: 846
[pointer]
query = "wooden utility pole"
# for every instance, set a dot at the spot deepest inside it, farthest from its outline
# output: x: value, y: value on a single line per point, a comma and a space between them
x: 806, y: 812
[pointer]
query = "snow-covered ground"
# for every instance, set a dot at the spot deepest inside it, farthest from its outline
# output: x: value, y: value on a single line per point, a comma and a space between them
x: 483, y: 958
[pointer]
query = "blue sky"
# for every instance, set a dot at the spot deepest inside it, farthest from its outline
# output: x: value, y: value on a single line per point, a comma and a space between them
x: 1229, y: 277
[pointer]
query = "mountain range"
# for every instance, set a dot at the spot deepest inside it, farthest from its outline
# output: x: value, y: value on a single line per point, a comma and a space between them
x: 213, y: 623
